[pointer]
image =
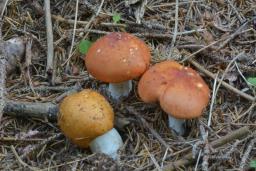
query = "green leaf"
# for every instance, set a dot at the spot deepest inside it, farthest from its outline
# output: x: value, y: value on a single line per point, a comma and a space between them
x: 116, y: 18
x: 253, y: 164
x: 84, y: 46
x: 252, y: 80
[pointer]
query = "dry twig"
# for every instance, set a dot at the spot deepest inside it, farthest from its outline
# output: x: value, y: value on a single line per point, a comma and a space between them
x: 2, y: 62
x: 50, y: 50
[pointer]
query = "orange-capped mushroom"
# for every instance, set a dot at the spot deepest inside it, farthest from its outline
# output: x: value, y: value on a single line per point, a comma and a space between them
x: 87, y: 119
x: 118, y: 58
x: 181, y: 92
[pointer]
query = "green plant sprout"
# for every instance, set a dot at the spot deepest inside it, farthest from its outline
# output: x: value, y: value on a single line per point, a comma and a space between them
x: 116, y: 18
x: 253, y: 164
x: 84, y: 46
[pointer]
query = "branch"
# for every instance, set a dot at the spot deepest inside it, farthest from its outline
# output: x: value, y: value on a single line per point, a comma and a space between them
x: 30, y: 109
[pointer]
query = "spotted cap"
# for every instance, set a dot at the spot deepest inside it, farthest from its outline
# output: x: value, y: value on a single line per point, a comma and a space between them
x: 117, y: 57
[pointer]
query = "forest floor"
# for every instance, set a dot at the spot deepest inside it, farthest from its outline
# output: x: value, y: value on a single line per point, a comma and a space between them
x: 216, y: 38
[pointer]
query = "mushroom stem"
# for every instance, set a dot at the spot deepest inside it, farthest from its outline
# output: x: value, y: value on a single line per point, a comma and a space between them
x: 177, y: 125
x: 108, y: 143
x: 119, y: 90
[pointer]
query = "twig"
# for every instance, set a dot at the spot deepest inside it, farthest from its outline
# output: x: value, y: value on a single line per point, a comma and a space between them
x: 2, y: 63
x: 152, y: 158
x: 247, y: 153
x: 45, y: 89
x: 188, y: 159
x: 200, y: 50
x: 50, y: 50
x: 70, y: 21
x: 205, y: 163
x: 128, y: 24
x: 30, y: 109
x: 167, y: 36
x: 20, y: 140
x: 214, y: 93
x: 131, y: 110
x: 223, y: 83
x: 2, y: 78
x: 74, y: 32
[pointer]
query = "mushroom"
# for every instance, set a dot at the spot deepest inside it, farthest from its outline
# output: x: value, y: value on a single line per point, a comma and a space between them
x: 181, y: 92
x: 117, y: 58
x: 87, y: 119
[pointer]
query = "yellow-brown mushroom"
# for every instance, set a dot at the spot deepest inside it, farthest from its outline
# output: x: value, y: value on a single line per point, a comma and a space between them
x: 87, y: 118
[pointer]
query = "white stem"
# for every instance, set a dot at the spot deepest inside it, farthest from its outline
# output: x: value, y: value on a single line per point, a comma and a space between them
x: 108, y: 143
x: 119, y: 90
x: 177, y: 125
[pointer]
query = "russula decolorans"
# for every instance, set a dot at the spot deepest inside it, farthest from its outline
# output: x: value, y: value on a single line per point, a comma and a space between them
x: 181, y: 92
x: 117, y: 58
x: 87, y: 119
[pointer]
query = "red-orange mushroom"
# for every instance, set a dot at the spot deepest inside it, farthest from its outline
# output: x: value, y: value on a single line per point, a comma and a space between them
x: 181, y: 92
x: 118, y: 58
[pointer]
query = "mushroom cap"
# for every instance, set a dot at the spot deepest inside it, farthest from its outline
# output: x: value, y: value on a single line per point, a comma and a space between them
x: 185, y: 100
x: 180, y: 90
x: 85, y: 115
x: 117, y: 57
x: 154, y: 80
